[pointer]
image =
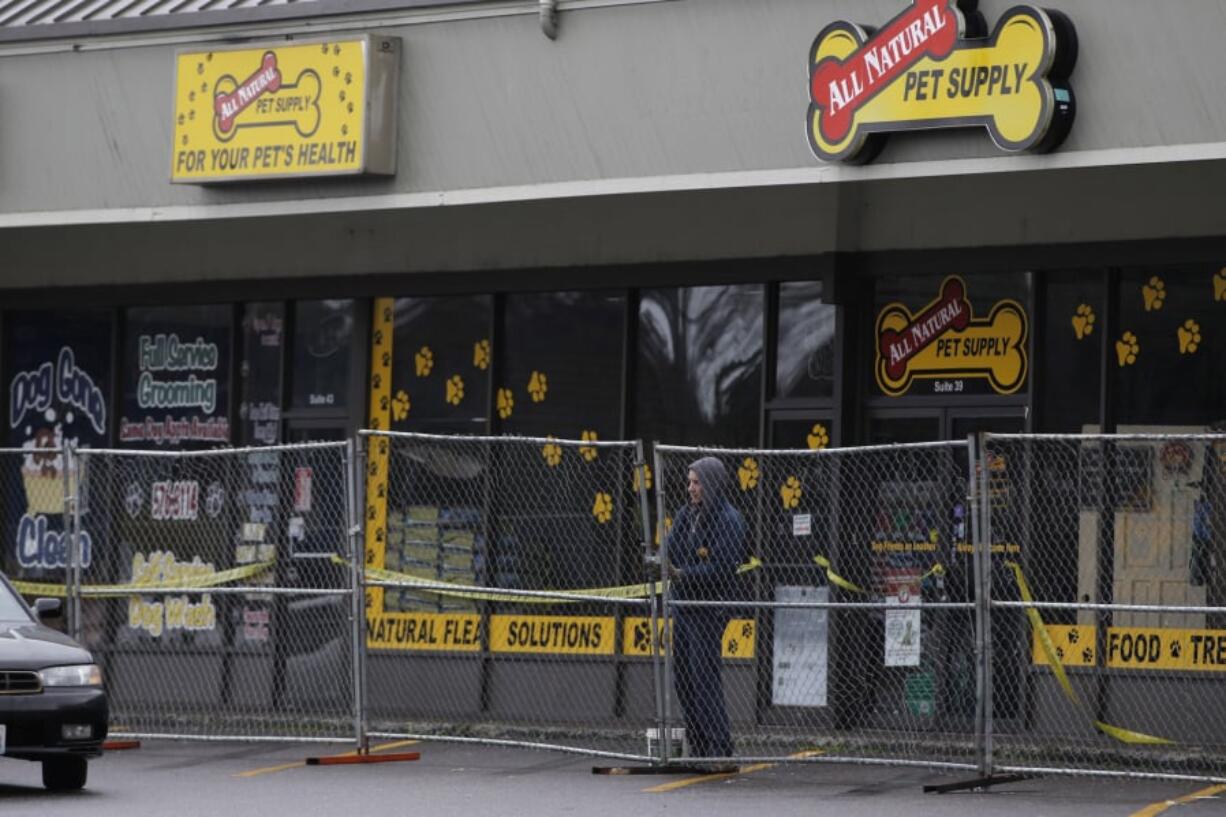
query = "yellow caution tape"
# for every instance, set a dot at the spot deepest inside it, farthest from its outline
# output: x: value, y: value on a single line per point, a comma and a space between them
x: 41, y: 589
x: 835, y: 578
x: 211, y: 580
x: 1057, y: 667
x: 421, y: 583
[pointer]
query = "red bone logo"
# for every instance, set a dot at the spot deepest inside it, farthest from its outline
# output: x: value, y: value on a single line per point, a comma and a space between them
x: 841, y: 87
x: 950, y: 311
x: 266, y: 79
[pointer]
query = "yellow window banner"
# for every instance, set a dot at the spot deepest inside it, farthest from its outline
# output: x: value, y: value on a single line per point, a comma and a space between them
x: 1136, y: 648
x: 286, y: 109
x: 739, y: 641
x: 424, y: 632
x: 554, y: 635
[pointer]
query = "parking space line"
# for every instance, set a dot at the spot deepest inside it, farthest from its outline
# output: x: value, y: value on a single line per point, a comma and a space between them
x: 1154, y: 809
x: 383, y: 747
x: 703, y: 778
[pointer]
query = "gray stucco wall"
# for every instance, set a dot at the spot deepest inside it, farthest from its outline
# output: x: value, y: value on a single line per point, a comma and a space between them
x: 647, y: 131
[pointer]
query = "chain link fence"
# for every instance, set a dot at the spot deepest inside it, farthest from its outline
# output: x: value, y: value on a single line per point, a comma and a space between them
x: 1114, y: 548
x: 852, y: 570
x: 219, y: 600
x: 1014, y: 604
x: 506, y: 598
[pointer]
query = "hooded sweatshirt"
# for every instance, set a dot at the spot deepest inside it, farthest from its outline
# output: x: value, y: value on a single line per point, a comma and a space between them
x: 708, y: 541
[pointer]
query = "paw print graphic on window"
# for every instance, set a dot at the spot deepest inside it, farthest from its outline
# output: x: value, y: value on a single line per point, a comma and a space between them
x: 506, y: 403
x: 1189, y: 337
x: 818, y: 438
x: 455, y: 389
x: 1219, y: 285
x: 538, y: 385
x: 1154, y: 294
x: 481, y: 354
x: 639, y: 474
x: 1127, y: 348
x: 424, y: 361
x: 552, y: 452
x: 790, y: 491
x: 602, y: 509
x: 588, y: 452
x: 748, y: 474
x: 401, y: 405
x: 1083, y: 321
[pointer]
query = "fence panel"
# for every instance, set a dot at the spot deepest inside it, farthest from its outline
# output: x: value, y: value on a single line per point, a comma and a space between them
x: 856, y: 587
x: 505, y: 598
x: 1120, y: 542
x: 219, y: 594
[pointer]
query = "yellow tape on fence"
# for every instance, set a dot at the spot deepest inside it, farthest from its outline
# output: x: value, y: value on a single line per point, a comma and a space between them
x: 1057, y: 668
x: 835, y: 578
x: 134, y: 588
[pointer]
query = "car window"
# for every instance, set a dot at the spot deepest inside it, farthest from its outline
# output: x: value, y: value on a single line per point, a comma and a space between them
x: 11, y: 608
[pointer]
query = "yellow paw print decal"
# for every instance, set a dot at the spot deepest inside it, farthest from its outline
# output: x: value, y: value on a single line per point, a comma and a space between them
x: 749, y: 474
x: 1083, y: 321
x: 401, y: 405
x: 538, y: 385
x: 552, y: 452
x: 455, y: 389
x: 1127, y: 348
x: 1219, y: 285
x: 1154, y: 294
x: 424, y: 361
x: 1189, y: 337
x: 588, y: 452
x: 818, y: 438
x: 602, y: 509
x: 791, y: 492
x: 668, y: 526
x: 505, y: 403
x: 481, y: 354
x: 642, y: 475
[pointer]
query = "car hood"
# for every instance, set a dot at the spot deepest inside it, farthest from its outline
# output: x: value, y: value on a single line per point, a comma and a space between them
x: 26, y: 645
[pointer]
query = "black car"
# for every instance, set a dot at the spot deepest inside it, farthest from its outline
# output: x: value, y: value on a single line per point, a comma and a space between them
x: 52, y: 702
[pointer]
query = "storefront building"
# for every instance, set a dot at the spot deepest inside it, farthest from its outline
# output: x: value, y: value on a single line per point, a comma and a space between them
x: 718, y: 223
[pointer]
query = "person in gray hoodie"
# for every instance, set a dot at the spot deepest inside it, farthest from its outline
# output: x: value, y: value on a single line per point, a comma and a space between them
x: 706, y: 545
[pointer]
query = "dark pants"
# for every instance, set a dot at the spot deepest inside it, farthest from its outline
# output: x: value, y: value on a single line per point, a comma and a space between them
x: 697, y: 643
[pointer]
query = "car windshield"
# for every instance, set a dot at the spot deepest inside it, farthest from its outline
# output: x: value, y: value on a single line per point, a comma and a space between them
x: 11, y: 608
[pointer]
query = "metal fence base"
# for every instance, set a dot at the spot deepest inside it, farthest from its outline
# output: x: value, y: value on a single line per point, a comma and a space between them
x: 663, y: 769
x: 977, y: 783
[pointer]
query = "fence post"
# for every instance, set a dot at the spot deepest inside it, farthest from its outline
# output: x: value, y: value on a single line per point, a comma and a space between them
x: 72, y: 506
x: 357, y: 573
x: 657, y: 672
x: 663, y: 702
x: 980, y: 505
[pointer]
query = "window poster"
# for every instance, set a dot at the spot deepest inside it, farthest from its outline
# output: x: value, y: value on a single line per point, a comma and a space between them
x: 58, y: 375
x: 175, y: 373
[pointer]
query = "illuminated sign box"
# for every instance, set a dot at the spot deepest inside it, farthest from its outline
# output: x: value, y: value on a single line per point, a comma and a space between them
x: 921, y: 71
x: 288, y: 109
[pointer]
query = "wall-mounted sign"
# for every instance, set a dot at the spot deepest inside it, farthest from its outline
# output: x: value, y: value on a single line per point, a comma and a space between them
x: 921, y: 71
x: 286, y: 109
x: 946, y: 343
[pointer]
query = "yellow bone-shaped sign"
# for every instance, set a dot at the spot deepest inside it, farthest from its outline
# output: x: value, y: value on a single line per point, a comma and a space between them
x: 1014, y: 83
x: 944, y: 339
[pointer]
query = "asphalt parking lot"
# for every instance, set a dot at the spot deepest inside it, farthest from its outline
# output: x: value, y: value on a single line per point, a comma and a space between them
x: 232, y: 779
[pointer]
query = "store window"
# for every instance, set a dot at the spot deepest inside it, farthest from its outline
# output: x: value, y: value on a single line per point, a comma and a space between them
x: 804, y: 356
x: 1169, y: 358
x: 700, y: 365
x: 262, y: 343
x: 58, y: 371
x: 323, y: 337
x: 563, y: 364
x: 441, y: 358
x: 175, y: 372
x: 1071, y: 351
